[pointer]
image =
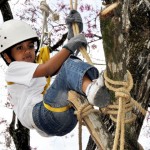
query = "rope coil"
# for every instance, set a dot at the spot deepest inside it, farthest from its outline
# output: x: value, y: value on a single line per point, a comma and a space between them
x: 122, y: 106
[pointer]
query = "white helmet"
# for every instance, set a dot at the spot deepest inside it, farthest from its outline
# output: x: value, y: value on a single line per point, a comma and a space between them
x: 13, y: 32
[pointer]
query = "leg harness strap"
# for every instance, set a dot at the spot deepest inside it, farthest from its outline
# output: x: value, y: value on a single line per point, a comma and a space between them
x: 60, y: 109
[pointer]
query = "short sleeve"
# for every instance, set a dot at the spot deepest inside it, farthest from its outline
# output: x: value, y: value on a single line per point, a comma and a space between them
x: 20, y: 72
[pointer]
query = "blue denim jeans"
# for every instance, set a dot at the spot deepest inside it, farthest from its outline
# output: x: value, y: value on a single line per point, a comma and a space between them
x: 69, y: 77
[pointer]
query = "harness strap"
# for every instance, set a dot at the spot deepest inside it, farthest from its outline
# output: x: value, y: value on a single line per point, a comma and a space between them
x: 10, y: 83
x: 54, y: 109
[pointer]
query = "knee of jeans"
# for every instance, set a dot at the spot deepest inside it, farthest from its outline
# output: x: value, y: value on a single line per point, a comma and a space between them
x: 92, y: 73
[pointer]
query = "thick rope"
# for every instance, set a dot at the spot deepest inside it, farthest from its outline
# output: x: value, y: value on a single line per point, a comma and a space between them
x: 45, y: 11
x: 84, y: 110
x: 76, y: 32
x: 120, y: 111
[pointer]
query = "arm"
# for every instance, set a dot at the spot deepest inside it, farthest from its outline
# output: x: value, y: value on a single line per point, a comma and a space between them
x: 53, y: 65
x: 50, y: 67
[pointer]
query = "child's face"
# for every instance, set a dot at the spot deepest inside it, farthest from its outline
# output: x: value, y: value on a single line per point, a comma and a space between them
x: 24, y: 51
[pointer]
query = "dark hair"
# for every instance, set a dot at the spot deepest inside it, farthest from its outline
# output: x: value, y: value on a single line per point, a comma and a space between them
x: 8, y: 51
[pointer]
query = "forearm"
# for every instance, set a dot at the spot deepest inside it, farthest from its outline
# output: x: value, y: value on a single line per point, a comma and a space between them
x: 50, y: 67
x: 56, y: 62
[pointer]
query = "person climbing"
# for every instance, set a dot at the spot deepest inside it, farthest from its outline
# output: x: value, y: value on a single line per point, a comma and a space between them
x: 19, y: 44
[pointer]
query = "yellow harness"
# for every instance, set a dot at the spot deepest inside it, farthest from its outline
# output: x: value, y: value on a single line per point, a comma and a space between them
x: 43, y: 56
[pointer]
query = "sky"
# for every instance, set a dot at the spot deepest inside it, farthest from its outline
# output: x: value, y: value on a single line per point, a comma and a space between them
x: 71, y: 139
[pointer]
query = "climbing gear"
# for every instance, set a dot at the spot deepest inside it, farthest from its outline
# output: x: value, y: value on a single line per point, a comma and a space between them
x: 45, y: 11
x: 124, y: 104
x: 54, y: 109
x: 43, y: 56
x: 22, y: 32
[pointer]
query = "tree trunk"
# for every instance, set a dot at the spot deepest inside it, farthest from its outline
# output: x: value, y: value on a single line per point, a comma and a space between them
x: 126, y: 41
x: 5, y: 10
x: 20, y: 136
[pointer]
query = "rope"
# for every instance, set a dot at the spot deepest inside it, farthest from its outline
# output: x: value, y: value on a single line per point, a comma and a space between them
x: 45, y: 11
x: 122, y: 106
x: 81, y: 113
x: 121, y: 111
x: 76, y: 32
x: 44, y: 53
x: 85, y: 109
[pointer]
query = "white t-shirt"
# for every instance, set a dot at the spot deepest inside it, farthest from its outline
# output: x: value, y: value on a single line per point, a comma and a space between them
x: 26, y: 90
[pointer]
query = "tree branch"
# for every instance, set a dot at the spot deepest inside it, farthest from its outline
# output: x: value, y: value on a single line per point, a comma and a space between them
x: 5, y: 10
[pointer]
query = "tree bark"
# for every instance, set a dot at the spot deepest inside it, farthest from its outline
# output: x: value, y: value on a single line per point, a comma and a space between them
x: 20, y: 136
x: 5, y: 10
x: 126, y: 41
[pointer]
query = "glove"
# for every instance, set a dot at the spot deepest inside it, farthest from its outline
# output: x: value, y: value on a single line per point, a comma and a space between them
x: 73, y: 17
x: 75, y: 43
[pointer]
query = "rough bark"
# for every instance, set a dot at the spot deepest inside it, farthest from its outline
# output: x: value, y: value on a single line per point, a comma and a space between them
x: 20, y: 135
x: 5, y: 10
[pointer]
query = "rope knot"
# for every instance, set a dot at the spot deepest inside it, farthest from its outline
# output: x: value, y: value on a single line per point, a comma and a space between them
x: 121, y: 110
x: 44, y: 8
x: 121, y: 107
x: 124, y: 94
x: 83, y: 111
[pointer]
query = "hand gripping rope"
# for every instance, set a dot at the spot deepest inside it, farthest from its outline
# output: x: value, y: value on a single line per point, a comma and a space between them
x: 76, y: 32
